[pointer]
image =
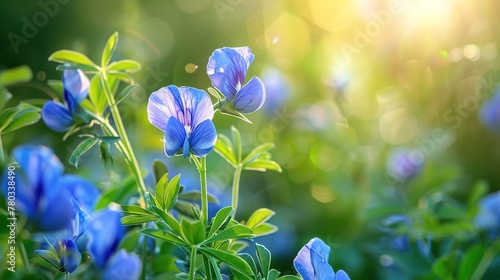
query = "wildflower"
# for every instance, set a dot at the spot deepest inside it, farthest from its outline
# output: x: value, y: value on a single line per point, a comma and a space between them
x: 185, y: 115
x: 404, y: 164
x: 489, y: 113
x: 40, y: 197
x: 70, y: 243
x: 59, y: 117
x: 106, y: 232
x: 488, y: 217
x: 227, y: 68
x: 312, y: 262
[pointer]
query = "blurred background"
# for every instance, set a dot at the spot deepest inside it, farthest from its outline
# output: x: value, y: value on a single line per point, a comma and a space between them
x: 350, y: 86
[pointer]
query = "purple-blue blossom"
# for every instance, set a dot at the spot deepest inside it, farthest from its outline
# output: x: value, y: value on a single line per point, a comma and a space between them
x: 488, y: 217
x: 489, y: 114
x: 404, y: 164
x: 227, y: 69
x: 185, y: 115
x: 39, y: 194
x: 312, y: 262
x: 58, y: 116
x: 105, y: 232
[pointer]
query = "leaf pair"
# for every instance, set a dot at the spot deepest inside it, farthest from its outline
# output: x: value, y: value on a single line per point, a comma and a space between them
x: 259, y: 159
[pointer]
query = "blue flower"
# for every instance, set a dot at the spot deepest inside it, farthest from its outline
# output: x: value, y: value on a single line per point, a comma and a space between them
x: 404, y: 164
x: 70, y: 243
x: 278, y: 90
x: 312, y: 262
x: 185, y: 115
x: 123, y: 266
x: 59, y: 117
x: 488, y: 217
x: 39, y: 195
x: 489, y: 113
x: 227, y: 68
x: 106, y: 231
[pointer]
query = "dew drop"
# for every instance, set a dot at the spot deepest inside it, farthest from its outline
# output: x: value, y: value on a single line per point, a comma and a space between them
x: 221, y: 70
x: 191, y: 68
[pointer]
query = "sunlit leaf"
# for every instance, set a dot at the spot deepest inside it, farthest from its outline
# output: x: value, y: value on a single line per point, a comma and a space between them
x: 127, y: 65
x: 234, y: 232
x: 259, y: 217
x: 138, y: 219
x: 219, y: 219
x: 257, y: 151
x: 72, y: 57
x: 109, y: 49
x: 224, y: 148
x: 171, y: 193
x: 16, y: 75
x: 164, y: 235
x: 262, y: 165
x: 97, y: 95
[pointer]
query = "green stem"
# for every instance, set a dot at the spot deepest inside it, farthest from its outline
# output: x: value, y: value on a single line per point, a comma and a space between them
x: 2, y: 153
x: 24, y: 256
x: 192, y: 263
x: 66, y: 276
x: 131, y: 159
x: 202, y: 169
x: 236, y: 187
x: 486, y: 260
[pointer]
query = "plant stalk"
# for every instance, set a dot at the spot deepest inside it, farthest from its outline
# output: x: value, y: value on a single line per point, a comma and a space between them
x: 192, y: 263
x: 202, y: 169
x: 236, y: 187
x: 129, y: 153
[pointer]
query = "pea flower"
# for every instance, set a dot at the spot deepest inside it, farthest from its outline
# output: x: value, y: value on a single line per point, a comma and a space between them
x: 488, y: 217
x: 489, y: 113
x: 227, y: 68
x: 312, y: 262
x: 404, y: 164
x: 70, y: 243
x: 59, y: 117
x: 106, y: 232
x: 185, y: 115
x: 39, y: 195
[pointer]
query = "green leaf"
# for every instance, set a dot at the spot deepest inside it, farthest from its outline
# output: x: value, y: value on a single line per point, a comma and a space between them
x: 169, y: 220
x: 479, y: 190
x: 81, y: 149
x: 151, y: 200
x: 126, y: 65
x: 235, y: 262
x: 220, y: 218
x: 192, y: 231
x: 138, y: 220
x: 196, y: 196
x: 237, y: 143
x: 264, y: 229
x: 160, y: 190
x: 72, y: 57
x: 51, y: 258
x: 248, y: 258
x: 288, y: 277
x: 470, y: 262
x: 164, y: 235
x: 234, y: 232
x: 16, y: 75
x: 125, y: 92
x: 159, y: 169
x: 225, y: 149
x: 273, y: 274
x: 445, y: 266
x: 262, y: 165
x: 121, y: 76
x: 19, y: 118
x: 259, y: 217
x: 109, y: 49
x: 118, y: 193
x: 4, y: 97
x: 225, y: 110
x: 172, y: 192
x: 109, y: 139
x: 97, y: 95
x: 263, y: 258
x: 257, y: 151
x: 135, y: 210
